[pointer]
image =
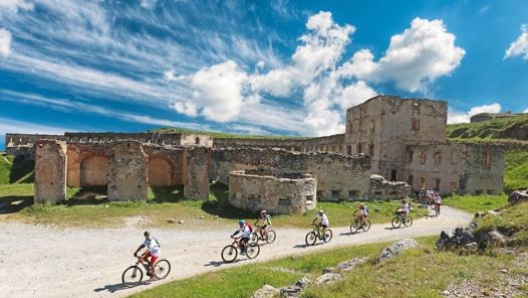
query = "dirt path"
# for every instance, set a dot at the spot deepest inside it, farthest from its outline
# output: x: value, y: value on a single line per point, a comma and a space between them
x: 38, y: 261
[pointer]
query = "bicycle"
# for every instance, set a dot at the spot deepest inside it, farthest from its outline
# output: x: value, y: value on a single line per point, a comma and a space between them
x: 257, y: 235
x: 398, y: 220
x: 437, y: 209
x: 134, y: 274
x: 230, y: 252
x: 356, y: 225
x: 315, y: 234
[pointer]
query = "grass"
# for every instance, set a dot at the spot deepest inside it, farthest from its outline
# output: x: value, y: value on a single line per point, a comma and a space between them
x: 89, y: 207
x: 223, y: 135
x: 516, y: 171
x: 418, y: 272
x: 511, y: 222
x: 474, y: 204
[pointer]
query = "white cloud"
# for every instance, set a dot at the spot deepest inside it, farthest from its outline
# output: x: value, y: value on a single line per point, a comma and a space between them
x: 5, y: 42
x: 454, y: 116
x: 16, y: 4
x: 414, y: 59
x: 520, y: 46
x: 187, y: 108
x: 218, y: 91
x: 525, y: 111
x: 355, y: 94
x: 28, y: 127
x: 148, y: 4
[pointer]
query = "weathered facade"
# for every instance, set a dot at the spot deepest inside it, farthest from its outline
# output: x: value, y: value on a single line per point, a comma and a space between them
x: 284, y: 194
x: 339, y: 176
x: 125, y: 168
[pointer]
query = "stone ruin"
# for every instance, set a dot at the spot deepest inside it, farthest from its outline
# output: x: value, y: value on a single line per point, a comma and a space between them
x: 255, y: 190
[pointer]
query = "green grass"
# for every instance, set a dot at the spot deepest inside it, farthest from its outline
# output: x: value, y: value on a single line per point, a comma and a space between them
x: 419, y: 272
x: 511, y: 222
x: 474, y: 204
x: 498, y: 128
x: 516, y: 171
x: 222, y: 135
x: 90, y: 207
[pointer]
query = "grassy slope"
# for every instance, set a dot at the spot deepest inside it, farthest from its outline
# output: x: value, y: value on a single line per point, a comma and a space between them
x: 420, y: 272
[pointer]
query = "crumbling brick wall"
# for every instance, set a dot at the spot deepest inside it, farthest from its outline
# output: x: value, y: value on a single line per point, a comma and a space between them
x: 50, y: 171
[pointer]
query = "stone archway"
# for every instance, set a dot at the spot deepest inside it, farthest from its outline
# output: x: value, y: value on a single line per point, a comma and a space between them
x: 159, y: 172
x: 94, y: 171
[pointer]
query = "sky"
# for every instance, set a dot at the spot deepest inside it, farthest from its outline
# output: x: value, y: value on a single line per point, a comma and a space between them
x: 273, y: 67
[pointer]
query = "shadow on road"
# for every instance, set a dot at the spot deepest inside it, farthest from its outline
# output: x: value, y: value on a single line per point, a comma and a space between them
x: 120, y: 286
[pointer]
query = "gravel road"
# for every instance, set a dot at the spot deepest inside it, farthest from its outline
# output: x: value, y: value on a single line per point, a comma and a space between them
x: 44, y: 261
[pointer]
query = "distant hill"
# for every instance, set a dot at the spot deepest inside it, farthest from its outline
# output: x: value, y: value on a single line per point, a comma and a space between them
x: 510, y: 129
x: 221, y: 135
x: 511, y: 132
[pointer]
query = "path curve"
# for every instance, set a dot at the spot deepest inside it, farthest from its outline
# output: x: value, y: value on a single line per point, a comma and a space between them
x: 43, y: 261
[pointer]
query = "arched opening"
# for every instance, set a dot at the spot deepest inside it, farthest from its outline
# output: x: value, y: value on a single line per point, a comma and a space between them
x: 94, y: 171
x: 159, y: 172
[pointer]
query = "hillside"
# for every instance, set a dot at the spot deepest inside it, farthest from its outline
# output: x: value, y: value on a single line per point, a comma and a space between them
x: 511, y: 132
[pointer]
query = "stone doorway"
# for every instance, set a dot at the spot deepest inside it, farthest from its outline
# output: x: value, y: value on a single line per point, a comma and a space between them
x: 159, y: 172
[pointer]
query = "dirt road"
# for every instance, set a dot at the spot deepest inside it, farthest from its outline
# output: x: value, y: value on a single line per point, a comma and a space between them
x: 38, y: 261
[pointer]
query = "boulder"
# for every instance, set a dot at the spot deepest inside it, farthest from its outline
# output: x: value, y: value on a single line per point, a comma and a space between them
x: 396, y: 248
x: 266, y: 291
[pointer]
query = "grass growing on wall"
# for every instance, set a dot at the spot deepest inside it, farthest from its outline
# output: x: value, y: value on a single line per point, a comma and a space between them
x: 516, y: 171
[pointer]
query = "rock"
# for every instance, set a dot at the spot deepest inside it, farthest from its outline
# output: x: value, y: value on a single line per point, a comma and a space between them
x: 504, y: 271
x: 290, y: 292
x: 202, y: 217
x: 303, y: 282
x: 170, y: 220
x: 396, y: 248
x: 446, y: 293
x: 266, y: 291
x: 328, y: 270
x: 351, y: 264
x: 328, y: 278
x: 181, y: 221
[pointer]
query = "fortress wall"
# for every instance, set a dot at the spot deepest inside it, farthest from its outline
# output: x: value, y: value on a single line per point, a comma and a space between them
x: 339, y: 176
x: 50, y: 171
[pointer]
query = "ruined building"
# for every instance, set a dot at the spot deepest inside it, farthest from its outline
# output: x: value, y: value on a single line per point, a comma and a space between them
x: 402, y: 140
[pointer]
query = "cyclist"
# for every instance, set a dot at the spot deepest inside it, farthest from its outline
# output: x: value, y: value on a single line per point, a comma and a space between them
x: 153, y: 252
x: 437, y: 201
x: 404, y: 209
x: 322, y: 220
x: 266, y: 220
x: 245, y: 234
x: 363, y: 213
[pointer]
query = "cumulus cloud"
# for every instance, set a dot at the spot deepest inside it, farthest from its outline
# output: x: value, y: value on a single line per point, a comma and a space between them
x: 5, y: 42
x: 520, y: 46
x: 219, y: 91
x: 414, y: 59
x: 454, y: 116
x: 148, y: 4
x: 16, y: 4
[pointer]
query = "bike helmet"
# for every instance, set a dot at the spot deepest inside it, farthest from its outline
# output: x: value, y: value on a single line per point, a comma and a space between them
x: 263, y: 212
x: 321, y: 211
x: 146, y: 234
x: 361, y: 205
x: 241, y: 222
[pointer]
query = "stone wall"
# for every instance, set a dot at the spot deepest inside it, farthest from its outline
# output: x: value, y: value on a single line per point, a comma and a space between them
x: 256, y: 190
x: 285, y: 143
x: 456, y: 167
x: 50, y: 171
x: 127, y: 177
x: 380, y: 188
x: 339, y: 176
x: 333, y: 143
x: 197, y: 165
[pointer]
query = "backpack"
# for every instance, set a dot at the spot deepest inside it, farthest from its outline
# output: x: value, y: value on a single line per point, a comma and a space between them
x: 250, y: 227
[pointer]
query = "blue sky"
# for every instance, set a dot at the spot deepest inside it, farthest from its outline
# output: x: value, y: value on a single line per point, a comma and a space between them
x: 279, y: 67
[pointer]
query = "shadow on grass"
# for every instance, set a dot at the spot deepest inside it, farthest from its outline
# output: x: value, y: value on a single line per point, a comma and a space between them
x: 167, y: 194
x: 219, y: 205
x: 89, y: 195
x: 11, y: 204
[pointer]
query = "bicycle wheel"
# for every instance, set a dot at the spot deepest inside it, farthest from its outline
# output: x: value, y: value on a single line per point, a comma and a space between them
x: 270, y: 236
x: 162, y: 268
x: 252, y: 250
x: 327, y: 235
x: 408, y: 221
x: 310, y: 238
x: 229, y: 253
x: 396, y: 222
x: 132, y: 275
x: 354, y: 227
x: 366, y: 225
x: 254, y: 237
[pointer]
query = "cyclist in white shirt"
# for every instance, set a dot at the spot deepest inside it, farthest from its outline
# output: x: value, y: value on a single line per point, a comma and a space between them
x: 245, y: 234
x: 153, y: 252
